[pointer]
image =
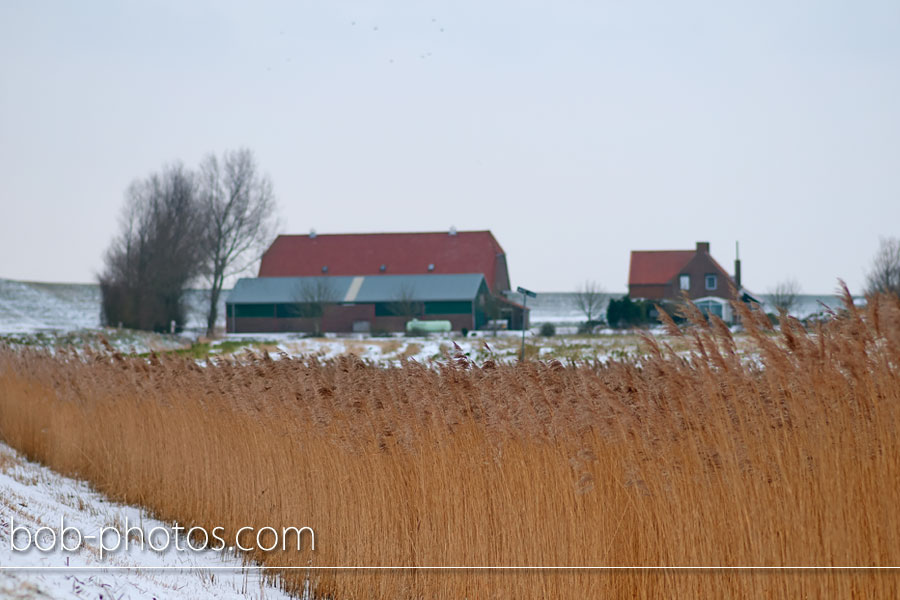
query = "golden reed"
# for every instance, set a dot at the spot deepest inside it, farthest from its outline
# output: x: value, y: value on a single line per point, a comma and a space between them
x: 791, y: 458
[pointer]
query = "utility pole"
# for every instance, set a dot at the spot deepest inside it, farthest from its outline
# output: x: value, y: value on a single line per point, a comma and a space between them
x: 525, y: 295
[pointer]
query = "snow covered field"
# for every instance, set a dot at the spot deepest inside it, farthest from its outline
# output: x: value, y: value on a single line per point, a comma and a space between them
x: 505, y: 347
x: 29, y: 307
x: 34, y: 496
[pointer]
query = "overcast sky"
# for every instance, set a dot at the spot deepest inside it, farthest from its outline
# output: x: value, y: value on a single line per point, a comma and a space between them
x: 575, y: 131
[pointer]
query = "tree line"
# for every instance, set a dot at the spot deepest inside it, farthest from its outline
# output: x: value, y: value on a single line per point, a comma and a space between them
x: 180, y: 226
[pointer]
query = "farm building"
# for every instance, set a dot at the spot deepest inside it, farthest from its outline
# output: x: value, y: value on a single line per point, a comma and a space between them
x: 419, y: 262
x: 388, y: 254
x: 670, y: 274
x: 362, y: 303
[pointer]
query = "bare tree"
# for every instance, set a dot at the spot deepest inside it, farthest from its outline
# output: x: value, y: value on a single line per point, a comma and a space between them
x: 884, y: 276
x: 313, y: 295
x: 405, y: 304
x: 590, y: 298
x: 784, y: 295
x: 239, y: 212
x: 493, y: 309
x: 156, y: 255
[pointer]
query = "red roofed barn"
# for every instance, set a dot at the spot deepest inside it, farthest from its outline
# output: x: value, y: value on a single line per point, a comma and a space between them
x: 388, y: 254
x: 429, y: 275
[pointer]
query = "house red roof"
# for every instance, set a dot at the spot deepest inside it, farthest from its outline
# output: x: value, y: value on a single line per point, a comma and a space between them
x: 656, y: 267
x: 399, y: 253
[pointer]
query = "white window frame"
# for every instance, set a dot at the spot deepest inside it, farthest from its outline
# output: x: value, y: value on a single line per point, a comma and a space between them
x: 704, y: 304
x: 684, y: 282
x: 715, y: 280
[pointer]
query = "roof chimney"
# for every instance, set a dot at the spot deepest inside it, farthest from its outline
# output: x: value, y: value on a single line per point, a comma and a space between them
x: 703, y: 247
x: 312, y: 234
x: 737, y: 265
x: 453, y: 230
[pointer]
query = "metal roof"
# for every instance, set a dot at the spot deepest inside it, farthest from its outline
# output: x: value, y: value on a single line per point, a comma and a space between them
x: 359, y: 289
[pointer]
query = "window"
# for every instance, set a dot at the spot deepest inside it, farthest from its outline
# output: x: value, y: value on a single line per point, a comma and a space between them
x: 431, y: 266
x: 288, y: 311
x: 325, y: 268
x: 296, y: 310
x: 242, y: 311
x: 711, y: 307
x: 711, y: 282
x: 684, y: 282
x: 450, y: 307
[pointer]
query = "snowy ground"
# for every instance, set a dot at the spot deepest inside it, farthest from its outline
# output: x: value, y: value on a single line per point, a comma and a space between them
x: 30, y: 307
x: 504, y: 347
x: 34, y: 496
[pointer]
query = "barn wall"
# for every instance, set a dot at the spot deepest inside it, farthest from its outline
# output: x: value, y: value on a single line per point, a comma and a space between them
x: 338, y: 319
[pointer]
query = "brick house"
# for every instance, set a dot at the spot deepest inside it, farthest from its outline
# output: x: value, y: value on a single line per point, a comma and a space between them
x: 668, y: 274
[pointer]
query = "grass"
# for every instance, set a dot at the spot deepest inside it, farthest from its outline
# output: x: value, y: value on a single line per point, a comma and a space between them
x: 669, y: 459
x: 203, y: 350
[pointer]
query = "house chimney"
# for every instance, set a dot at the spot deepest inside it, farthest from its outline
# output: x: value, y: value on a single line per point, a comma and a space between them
x: 703, y: 247
x: 453, y: 230
x: 312, y: 234
x: 737, y: 265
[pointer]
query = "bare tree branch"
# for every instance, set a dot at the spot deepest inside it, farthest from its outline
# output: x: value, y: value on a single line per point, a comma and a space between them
x: 239, y: 208
x: 590, y: 299
x: 313, y: 295
x: 884, y: 276
x: 784, y: 295
x: 405, y: 304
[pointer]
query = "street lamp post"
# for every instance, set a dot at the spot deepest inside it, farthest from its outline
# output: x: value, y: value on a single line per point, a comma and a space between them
x: 525, y: 295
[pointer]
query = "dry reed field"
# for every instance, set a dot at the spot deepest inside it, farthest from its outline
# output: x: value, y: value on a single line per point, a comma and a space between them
x: 791, y: 460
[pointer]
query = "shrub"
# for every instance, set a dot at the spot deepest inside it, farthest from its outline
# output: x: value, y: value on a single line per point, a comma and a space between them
x: 589, y: 326
x: 548, y: 329
x: 626, y: 312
